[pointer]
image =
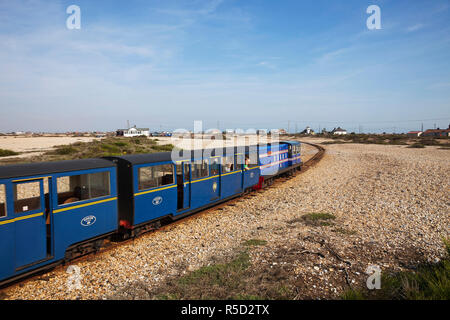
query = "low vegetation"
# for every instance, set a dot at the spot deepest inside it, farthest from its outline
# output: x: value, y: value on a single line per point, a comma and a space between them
x: 428, y: 282
x: 387, y: 139
x: 6, y: 153
x: 109, y: 147
x: 255, y: 242
x: 233, y: 279
x: 114, y: 146
x: 416, y: 145
x: 344, y: 231
x: 318, y: 219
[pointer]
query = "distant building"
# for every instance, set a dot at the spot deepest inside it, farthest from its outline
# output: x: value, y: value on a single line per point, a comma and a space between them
x: 279, y: 131
x: 414, y: 134
x: 308, y: 130
x: 437, y: 132
x: 339, y: 130
x: 133, y: 132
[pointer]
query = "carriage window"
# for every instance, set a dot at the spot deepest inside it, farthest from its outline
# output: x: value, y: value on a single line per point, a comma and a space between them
x: 200, y: 169
x: 27, y: 197
x: 155, y: 176
x: 228, y: 164
x: 2, y: 201
x: 214, y: 166
x: 186, y: 171
x: 185, y: 164
x: 238, y: 162
x: 82, y: 187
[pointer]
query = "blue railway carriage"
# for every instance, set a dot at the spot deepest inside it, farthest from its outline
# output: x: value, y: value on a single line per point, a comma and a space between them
x: 54, y: 211
x: 294, y: 153
x: 278, y: 159
x: 155, y: 187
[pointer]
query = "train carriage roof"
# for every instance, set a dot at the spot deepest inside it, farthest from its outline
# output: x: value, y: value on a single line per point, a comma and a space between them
x: 136, y: 159
x: 145, y: 157
x: 290, y: 141
x: 41, y: 168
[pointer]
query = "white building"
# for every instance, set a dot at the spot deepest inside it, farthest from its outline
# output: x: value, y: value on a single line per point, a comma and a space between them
x: 133, y: 132
x: 308, y: 130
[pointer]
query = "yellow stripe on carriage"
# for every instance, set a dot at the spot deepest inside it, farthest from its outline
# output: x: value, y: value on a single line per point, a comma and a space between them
x: 193, y: 181
x: 31, y: 179
x: 22, y: 218
x: 154, y: 190
x: 84, y: 205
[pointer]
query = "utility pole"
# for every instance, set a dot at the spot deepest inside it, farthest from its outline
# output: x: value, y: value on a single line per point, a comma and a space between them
x: 422, y: 127
x: 289, y: 124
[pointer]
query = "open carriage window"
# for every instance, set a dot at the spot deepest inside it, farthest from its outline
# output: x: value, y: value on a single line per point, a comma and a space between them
x: 83, y: 187
x: 2, y: 201
x: 228, y: 164
x: 155, y: 176
x: 27, y: 196
x: 215, y: 166
x: 200, y: 169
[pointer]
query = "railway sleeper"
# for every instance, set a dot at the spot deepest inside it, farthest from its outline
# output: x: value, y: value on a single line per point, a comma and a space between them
x: 136, y: 232
x: 83, y: 249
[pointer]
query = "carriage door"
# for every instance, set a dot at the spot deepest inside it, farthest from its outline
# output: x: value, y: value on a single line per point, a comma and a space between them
x: 30, y: 222
x: 184, y: 185
x: 187, y: 184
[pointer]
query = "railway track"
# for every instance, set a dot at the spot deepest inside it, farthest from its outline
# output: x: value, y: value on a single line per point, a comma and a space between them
x: 169, y: 224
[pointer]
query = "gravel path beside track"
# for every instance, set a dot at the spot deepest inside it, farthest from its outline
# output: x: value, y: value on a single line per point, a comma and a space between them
x: 391, y: 205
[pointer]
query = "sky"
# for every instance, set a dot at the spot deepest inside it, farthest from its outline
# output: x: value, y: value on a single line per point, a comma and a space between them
x: 232, y: 64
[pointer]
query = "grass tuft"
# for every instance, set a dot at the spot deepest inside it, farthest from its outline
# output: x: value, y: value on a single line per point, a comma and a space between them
x: 416, y: 145
x: 428, y: 282
x: 6, y: 153
x: 255, y: 242
x: 318, y: 219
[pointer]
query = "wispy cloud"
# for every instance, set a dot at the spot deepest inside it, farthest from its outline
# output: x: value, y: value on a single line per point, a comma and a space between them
x: 415, y: 27
x: 206, y: 8
x: 333, y: 55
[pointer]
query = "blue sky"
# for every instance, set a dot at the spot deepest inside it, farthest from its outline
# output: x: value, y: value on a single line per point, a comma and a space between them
x: 242, y: 64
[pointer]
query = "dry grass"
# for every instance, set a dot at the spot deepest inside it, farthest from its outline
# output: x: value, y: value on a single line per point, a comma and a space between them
x: 115, y: 146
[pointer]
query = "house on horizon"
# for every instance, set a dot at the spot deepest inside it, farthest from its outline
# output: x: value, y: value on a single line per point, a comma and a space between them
x: 308, y: 130
x: 133, y: 132
x: 437, y: 132
x: 339, y: 131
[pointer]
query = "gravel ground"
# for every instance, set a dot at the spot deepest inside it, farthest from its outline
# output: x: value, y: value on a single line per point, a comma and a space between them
x: 391, y: 205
